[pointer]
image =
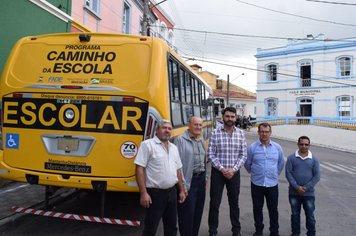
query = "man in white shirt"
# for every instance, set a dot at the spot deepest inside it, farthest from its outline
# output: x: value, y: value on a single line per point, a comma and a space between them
x: 158, y: 173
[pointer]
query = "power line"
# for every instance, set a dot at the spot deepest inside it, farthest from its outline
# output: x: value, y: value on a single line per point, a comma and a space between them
x: 258, y: 36
x: 340, y: 3
x: 291, y: 14
x: 189, y: 43
x: 265, y: 71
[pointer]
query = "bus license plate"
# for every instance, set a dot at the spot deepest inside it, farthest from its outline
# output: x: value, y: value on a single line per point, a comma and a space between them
x: 68, y: 144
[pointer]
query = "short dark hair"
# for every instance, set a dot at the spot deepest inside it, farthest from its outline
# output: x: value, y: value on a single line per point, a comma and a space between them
x: 303, y: 137
x: 264, y: 124
x: 230, y: 109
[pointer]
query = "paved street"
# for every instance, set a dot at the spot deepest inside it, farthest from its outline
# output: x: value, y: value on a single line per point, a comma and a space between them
x: 336, y: 203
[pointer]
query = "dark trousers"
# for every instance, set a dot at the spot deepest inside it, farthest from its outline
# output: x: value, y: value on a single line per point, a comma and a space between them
x: 308, y: 203
x: 258, y: 194
x: 164, y: 205
x: 217, y: 183
x: 191, y: 211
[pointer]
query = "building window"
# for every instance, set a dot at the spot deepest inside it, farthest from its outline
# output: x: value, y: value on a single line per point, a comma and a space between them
x: 271, y: 72
x: 344, y: 66
x: 188, y: 88
x: 93, y: 5
x: 140, y: 27
x: 305, y: 73
x: 271, y: 106
x: 170, y: 37
x: 163, y: 31
x: 344, y: 104
x: 126, y: 19
x: 219, y: 84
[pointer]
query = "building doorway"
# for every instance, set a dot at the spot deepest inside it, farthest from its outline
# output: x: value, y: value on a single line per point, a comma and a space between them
x: 306, y: 109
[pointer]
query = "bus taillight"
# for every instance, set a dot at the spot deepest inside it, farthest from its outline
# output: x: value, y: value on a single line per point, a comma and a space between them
x: 149, y: 128
x: 1, y: 147
x: 17, y: 95
x: 71, y: 87
x: 128, y: 99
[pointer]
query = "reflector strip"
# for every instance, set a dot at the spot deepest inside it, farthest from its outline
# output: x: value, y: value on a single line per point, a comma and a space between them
x: 75, y: 216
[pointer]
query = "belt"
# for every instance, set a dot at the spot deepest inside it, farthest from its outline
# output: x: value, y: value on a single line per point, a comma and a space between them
x: 198, y: 173
x: 161, y: 189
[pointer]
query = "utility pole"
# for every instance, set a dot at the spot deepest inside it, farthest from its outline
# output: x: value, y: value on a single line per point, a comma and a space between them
x: 228, y: 88
x: 228, y: 91
x: 146, y: 12
x: 145, y: 18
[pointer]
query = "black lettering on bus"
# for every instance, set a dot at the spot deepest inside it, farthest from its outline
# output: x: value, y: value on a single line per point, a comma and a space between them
x: 107, y: 69
x: 87, y: 68
x: 88, y: 56
x: 100, y: 55
x: 74, y: 68
x: 80, y: 68
x: 89, y: 115
x: 110, y: 56
x: 61, y: 56
x: 81, y: 56
x: 57, y: 67
x: 73, y: 56
x: 67, y: 68
x: 49, y: 56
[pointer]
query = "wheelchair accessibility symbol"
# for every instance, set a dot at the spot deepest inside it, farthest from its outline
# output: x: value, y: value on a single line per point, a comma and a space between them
x: 12, y: 141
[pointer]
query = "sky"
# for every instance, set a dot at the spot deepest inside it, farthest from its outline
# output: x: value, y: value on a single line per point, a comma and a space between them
x: 222, y: 36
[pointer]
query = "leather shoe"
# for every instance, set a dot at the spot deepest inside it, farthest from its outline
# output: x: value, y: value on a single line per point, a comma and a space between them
x: 236, y: 234
x: 294, y: 234
x: 258, y: 234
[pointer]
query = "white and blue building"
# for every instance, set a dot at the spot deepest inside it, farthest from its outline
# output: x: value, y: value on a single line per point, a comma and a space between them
x: 315, y: 77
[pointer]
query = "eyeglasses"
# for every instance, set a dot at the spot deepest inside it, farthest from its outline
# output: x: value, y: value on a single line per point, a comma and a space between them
x: 303, y: 144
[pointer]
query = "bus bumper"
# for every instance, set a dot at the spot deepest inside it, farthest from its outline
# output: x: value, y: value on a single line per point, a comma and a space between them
x: 126, y: 184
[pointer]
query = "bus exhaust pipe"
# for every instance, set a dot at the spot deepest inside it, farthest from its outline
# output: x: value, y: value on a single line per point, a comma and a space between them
x: 100, y: 186
x: 32, y: 179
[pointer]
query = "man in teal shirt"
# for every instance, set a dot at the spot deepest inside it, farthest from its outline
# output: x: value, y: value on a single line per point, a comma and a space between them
x: 303, y: 173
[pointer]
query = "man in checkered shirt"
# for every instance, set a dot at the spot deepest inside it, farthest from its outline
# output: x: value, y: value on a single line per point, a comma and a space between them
x: 227, y: 153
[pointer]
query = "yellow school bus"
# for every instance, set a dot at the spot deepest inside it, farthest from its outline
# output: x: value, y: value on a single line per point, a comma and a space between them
x: 75, y: 107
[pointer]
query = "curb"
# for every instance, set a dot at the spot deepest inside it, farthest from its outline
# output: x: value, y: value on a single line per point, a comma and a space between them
x: 251, y: 132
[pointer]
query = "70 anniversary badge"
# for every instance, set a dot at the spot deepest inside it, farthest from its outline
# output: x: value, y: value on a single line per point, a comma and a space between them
x: 129, y: 149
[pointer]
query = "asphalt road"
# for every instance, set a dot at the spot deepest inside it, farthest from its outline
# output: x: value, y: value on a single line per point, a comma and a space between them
x: 335, y: 205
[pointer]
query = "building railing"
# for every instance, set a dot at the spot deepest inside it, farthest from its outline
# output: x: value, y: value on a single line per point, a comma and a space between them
x: 305, y: 82
x: 302, y: 120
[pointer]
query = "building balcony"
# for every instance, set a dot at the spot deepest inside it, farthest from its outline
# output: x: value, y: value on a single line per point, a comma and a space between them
x: 305, y: 82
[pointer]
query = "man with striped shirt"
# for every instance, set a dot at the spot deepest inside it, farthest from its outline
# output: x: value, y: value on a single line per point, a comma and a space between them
x: 227, y: 153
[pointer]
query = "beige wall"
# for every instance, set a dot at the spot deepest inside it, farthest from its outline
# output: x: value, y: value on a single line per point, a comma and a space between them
x: 209, y: 78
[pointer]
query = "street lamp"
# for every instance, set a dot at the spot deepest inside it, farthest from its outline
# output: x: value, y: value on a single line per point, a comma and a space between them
x: 228, y: 88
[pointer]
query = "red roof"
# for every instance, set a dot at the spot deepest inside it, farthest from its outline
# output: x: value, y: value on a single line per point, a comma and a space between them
x: 232, y: 94
x: 161, y: 16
